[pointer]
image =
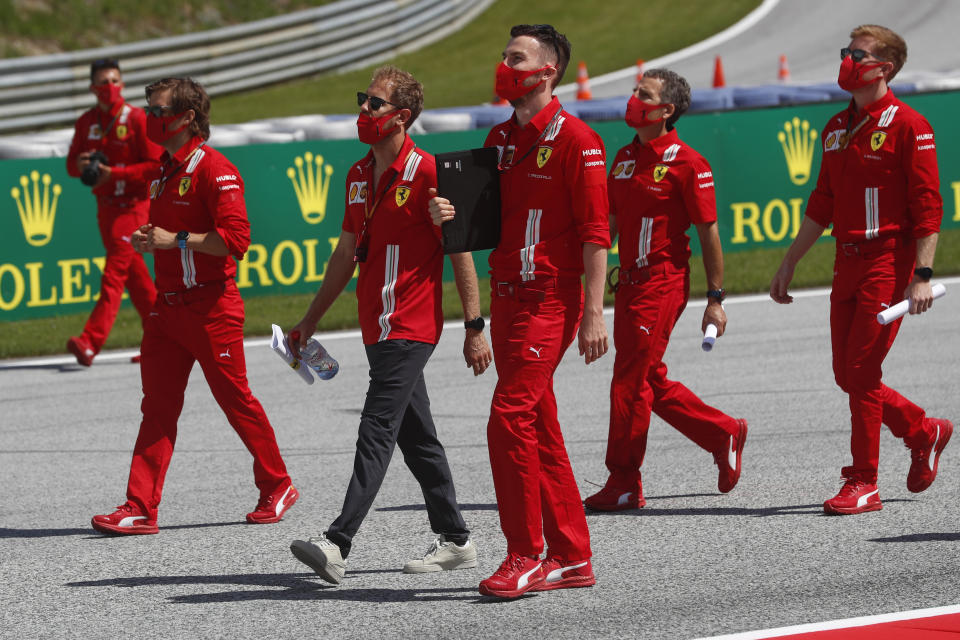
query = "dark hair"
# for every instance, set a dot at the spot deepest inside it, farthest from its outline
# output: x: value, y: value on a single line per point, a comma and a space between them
x: 186, y: 93
x: 674, y: 89
x: 546, y: 35
x: 101, y: 64
x: 405, y: 91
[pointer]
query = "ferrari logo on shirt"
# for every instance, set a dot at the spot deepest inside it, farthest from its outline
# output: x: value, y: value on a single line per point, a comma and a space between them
x: 184, y: 185
x: 402, y: 194
x: 543, y: 156
x: 877, y: 139
x: 660, y: 171
x: 121, y: 131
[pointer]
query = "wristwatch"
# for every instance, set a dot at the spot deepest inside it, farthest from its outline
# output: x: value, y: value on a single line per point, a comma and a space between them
x: 182, y: 239
x: 477, y: 324
x: 925, y: 273
x: 719, y: 294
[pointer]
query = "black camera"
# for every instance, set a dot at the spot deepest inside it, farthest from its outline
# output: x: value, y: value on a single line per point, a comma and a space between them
x: 91, y: 174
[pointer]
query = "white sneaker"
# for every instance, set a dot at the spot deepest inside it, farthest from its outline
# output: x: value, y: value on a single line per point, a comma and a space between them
x: 444, y: 556
x: 321, y: 555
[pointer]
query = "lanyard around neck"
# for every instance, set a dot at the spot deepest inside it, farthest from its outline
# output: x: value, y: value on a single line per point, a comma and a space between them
x: 164, y: 176
x: 507, y: 167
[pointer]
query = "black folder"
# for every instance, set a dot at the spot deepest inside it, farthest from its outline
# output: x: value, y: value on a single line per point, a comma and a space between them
x: 470, y: 180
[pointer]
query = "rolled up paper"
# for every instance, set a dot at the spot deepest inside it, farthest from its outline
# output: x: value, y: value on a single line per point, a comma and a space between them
x: 279, y: 345
x: 709, y: 337
x: 902, y: 308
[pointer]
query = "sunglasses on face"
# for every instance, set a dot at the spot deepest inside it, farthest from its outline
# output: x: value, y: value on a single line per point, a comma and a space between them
x: 375, y: 102
x: 157, y: 111
x: 857, y: 54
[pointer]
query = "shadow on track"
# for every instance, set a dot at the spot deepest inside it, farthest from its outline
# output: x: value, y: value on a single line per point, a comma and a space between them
x: 799, y: 509
x: 6, y: 532
x: 953, y: 536
x: 420, y: 507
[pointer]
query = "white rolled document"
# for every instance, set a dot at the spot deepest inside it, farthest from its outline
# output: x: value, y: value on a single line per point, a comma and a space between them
x: 709, y: 337
x: 902, y: 308
x: 279, y: 344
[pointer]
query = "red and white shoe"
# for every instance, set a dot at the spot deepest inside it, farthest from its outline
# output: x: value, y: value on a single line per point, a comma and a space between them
x: 925, y: 459
x: 517, y: 575
x: 272, y: 507
x: 82, y: 350
x: 856, y: 496
x: 612, y: 498
x: 560, y: 574
x: 127, y: 520
x: 729, y: 460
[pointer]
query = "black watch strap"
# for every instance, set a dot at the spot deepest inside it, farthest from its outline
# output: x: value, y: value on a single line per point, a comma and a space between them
x: 182, y: 237
x: 477, y: 324
x: 719, y: 294
x: 925, y: 273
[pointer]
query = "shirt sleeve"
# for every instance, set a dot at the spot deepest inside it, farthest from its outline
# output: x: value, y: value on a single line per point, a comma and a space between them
x: 923, y: 179
x: 699, y: 195
x: 223, y: 196
x: 820, y: 202
x: 349, y: 224
x: 586, y: 177
x: 76, y: 149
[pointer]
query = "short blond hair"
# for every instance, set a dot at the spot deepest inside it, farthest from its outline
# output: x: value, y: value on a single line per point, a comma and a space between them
x: 890, y: 46
x: 405, y: 91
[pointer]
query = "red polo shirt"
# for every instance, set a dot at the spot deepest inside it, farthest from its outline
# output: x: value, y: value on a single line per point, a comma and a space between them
x: 122, y: 137
x: 399, y: 287
x: 198, y: 190
x: 553, y: 195
x: 885, y: 181
x: 656, y: 191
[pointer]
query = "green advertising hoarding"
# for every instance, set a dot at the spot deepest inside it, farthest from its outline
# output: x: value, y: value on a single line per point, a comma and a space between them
x: 765, y: 163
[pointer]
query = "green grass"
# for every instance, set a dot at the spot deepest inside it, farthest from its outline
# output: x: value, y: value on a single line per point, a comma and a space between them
x: 458, y: 70
x: 746, y: 272
x: 39, y: 27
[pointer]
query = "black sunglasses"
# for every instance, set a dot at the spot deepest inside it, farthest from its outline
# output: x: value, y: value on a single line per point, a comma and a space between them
x: 857, y: 54
x: 157, y: 110
x: 375, y: 102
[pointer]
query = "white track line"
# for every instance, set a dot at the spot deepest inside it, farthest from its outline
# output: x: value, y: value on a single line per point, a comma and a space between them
x: 126, y: 354
x: 839, y: 624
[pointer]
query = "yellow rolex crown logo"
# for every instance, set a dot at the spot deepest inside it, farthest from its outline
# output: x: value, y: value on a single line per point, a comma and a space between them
x: 797, y: 140
x: 310, y: 186
x: 37, y: 209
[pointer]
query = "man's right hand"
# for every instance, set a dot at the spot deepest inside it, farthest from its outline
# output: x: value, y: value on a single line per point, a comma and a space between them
x: 139, y: 239
x: 440, y: 208
x: 298, y: 336
x: 780, y: 282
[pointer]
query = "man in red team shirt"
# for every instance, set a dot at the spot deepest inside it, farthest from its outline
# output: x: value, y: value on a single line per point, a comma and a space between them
x: 387, y: 231
x: 117, y: 130
x: 879, y: 188
x: 198, y: 225
x: 553, y: 229
x: 658, y: 186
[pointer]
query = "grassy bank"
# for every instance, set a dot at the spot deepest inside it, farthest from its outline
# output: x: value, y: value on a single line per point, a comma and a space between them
x: 746, y: 272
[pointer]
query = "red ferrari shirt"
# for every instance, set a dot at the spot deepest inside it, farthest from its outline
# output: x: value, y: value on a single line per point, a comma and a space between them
x: 884, y: 181
x: 399, y: 286
x: 553, y: 195
x: 656, y: 191
x: 122, y: 137
x: 198, y: 190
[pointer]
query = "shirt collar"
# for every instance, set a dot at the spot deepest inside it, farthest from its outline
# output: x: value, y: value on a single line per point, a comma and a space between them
x: 181, y: 155
x: 659, y: 144
x: 540, y: 121
x: 874, y: 109
x: 398, y: 162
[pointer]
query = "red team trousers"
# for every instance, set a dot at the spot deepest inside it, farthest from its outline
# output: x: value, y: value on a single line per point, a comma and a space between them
x: 206, y: 327
x: 531, y: 470
x: 124, y: 268
x: 870, y: 276
x: 645, y: 314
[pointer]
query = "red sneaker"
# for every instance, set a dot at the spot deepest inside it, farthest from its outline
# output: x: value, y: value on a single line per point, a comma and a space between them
x: 517, y: 575
x: 728, y: 460
x: 127, y: 520
x: 923, y: 466
x: 613, y: 499
x: 560, y: 574
x: 135, y: 359
x: 856, y: 496
x: 272, y: 507
x: 82, y: 350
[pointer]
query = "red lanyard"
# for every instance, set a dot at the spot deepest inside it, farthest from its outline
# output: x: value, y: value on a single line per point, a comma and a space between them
x: 363, y: 241
x: 164, y: 176
x: 511, y: 165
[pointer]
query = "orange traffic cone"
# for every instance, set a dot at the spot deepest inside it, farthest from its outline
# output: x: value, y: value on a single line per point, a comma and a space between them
x: 583, y: 82
x: 639, y: 69
x: 718, y: 80
x: 783, y: 73
x: 499, y: 102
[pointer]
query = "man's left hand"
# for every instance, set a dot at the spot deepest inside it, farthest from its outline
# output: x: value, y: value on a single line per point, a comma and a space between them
x: 476, y: 351
x: 920, y: 295
x: 714, y: 314
x: 103, y: 177
x: 592, y: 339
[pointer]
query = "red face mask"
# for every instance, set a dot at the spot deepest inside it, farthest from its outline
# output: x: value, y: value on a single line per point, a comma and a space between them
x: 158, y: 128
x: 851, y: 74
x: 370, y: 129
x: 108, y: 93
x: 638, y: 112
x: 510, y: 82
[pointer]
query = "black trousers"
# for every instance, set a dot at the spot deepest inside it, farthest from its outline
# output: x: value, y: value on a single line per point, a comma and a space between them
x: 397, y: 412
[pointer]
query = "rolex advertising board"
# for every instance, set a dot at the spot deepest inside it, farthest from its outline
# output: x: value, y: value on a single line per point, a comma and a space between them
x: 764, y: 161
